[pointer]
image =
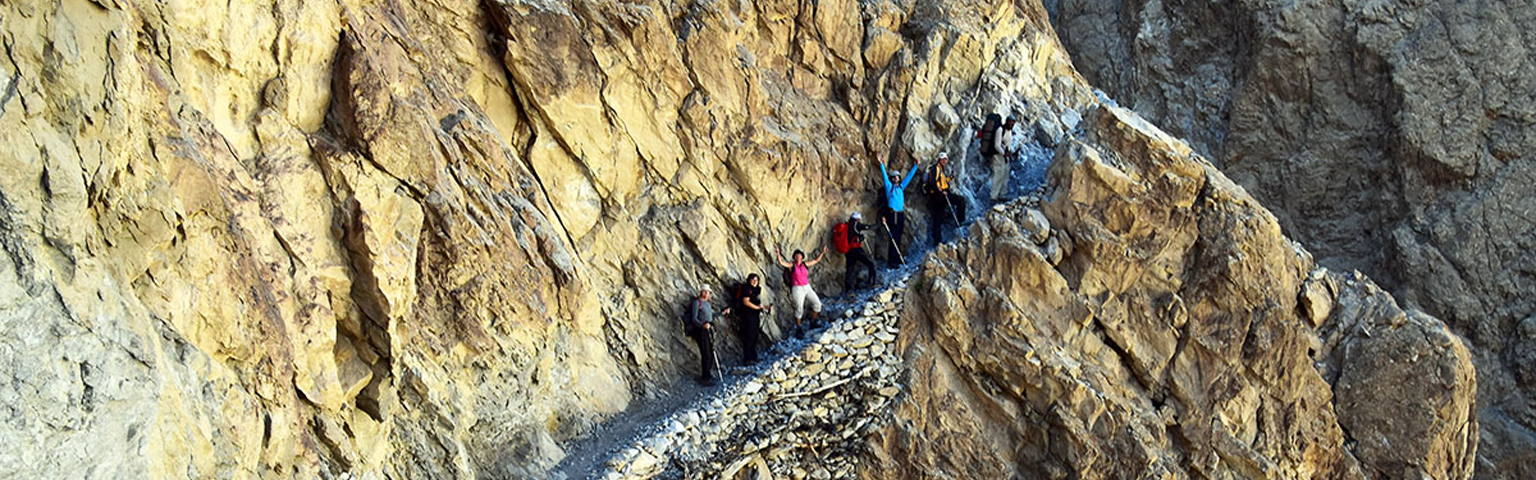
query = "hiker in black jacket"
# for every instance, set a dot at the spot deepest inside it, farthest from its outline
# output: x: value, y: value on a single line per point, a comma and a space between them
x: 748, y: 304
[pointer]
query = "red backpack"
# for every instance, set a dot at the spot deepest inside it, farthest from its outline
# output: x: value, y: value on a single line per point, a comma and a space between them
x: 841, y: 240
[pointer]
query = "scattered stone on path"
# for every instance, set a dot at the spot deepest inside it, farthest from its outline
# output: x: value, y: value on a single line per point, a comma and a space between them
x: 808, y: 407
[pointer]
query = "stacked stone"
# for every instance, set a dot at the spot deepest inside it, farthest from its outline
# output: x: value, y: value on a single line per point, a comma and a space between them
x: 803, y: 417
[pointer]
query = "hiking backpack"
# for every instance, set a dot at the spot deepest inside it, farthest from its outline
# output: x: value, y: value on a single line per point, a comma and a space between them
x: 688, y: 317
x: 988, y: 134
x: 840, y: 240
x: 739, y: 296
x: 934, y: 182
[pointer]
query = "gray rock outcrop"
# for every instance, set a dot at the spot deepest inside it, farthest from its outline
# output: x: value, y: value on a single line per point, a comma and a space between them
x: 1392, y: 137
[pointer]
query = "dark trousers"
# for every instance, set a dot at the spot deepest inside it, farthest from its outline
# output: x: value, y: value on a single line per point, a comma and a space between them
x: 943, y: 211
x: 751, y: 329
x: 706, y: 353
x: 897, y: 223
x: 858, y: 259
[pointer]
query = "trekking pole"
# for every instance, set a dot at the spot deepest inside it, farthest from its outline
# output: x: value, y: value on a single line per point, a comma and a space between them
x: 719, y: 373
x: 895, y: 247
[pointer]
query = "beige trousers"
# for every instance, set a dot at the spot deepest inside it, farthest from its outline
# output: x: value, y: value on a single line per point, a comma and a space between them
x: 1000, y: 175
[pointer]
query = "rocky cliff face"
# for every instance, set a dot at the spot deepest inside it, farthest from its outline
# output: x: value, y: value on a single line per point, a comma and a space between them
x: 1392, y: 137
x: 427, y: 239
x: 299, y: 239
x: 1180, y: 336
x: 1150, y: 323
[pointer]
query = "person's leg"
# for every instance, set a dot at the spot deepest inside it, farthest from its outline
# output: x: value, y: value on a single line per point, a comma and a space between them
x: 710, y: 362
x: 999, y: 176
x: 850, y: 272
x: 872, y: 274
x: 798, y: 295
x: 750, y: 330
x: 815, y: 304
x: 705, y: 350
x: 887, y: 220
x: 937, y: 214
x: 859, y: 259
x: 898, y: 230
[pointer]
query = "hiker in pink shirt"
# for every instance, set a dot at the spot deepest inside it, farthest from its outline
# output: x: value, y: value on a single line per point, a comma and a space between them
x: 800, y: 290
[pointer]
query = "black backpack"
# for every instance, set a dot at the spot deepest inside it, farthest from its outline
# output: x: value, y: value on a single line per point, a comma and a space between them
x: 988, y: 134
x: 688, y: 317
x: 739, y: 296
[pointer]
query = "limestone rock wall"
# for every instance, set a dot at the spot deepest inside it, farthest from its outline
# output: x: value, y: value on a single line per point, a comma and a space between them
x: 1180, y: 335
x: 294, y: 238
x: 1390, y: 136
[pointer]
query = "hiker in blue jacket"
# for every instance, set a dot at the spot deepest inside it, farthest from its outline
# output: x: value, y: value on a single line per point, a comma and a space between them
x: 893, y: 215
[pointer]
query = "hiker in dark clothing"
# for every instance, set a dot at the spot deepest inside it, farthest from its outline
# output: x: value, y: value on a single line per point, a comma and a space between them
x: 749, y: 308
x: 700, y: 322
x: 944, y: 206
x: 893, y: 215
x: 849, y: 239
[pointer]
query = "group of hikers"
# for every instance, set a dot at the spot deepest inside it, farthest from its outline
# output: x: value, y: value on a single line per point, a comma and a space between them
x: 946, y: 211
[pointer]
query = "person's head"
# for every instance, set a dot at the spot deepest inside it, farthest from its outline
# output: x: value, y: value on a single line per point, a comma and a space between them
x: 753, y: 280
x: 799, y: 256
x: 943, y: 158
x: 895, y: 177
x: 1009, y: 123
x: 856, y: 216
x: 704, y: 293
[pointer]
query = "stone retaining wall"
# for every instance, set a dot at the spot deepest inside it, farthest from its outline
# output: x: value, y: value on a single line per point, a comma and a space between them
x: 801, y: 417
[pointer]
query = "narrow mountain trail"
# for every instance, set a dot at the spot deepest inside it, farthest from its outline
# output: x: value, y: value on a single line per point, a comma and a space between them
x: 645, y: 418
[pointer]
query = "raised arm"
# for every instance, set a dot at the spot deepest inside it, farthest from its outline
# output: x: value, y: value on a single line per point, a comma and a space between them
x: 813, y: 263
x: 885, y: 177
x: 908, y: 180
x: 780, y: 255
